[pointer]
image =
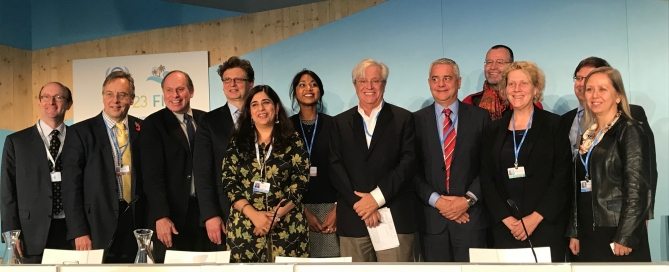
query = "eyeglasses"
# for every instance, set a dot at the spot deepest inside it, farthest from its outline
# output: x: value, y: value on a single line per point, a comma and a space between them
x: 579, y: 78
x: 498, y: 62
x: 48, y: 98
x: 120, y: 96
x: 228, y: 80
x: 375, y: 82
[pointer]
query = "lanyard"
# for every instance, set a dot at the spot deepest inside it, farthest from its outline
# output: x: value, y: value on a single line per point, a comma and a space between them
x: 364, y: 125
x: 313, y: 135
x: 48, y: 154
x: 453, y: 124
x: 118, y: 150
x: 262, y: 163
x: 516, y: 147
x: 586, y: 162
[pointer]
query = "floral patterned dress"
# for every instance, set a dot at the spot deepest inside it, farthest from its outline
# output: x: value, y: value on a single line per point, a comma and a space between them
x: 287, y: 172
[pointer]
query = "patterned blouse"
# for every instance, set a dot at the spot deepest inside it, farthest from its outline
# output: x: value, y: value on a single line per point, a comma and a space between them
x: 287, y: 172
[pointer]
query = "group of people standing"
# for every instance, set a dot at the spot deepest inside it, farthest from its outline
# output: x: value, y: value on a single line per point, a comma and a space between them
x: 493, y: 170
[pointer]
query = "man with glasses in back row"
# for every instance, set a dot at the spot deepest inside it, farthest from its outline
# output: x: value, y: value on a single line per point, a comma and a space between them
x: 216, y: 128
x: 31, y: 177
x: 497, y: 59
x: 101, y: 175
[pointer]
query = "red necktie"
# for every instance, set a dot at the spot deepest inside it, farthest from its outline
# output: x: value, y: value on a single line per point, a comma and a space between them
x: 449, y: 145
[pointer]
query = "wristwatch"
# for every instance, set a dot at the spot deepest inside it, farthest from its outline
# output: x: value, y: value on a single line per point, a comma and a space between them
x: 471, y: 199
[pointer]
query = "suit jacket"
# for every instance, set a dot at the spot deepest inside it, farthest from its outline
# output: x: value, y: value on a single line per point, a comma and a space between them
x: 465, y: 167
x: 638, y: 114
x: 388, y: 163
x: 26, y: 188
x: 211, y: 140
x: 90, y: 188
x: 167, y: 166
x: 546, y: 156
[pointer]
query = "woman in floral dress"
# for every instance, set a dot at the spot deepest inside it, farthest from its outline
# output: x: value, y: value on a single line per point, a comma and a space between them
x: 265, y: 173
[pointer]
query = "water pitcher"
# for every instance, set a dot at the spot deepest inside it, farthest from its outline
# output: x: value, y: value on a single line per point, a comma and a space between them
x: 13, y: 250
x: 144, y: 246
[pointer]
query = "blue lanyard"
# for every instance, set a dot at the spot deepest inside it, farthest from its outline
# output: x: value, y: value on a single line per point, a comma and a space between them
x: 364, y: 125
x: 117, y: 149
x: 313, y: 135
x: 587, y: 156
x: 516, y: 147
x: 453, y: 124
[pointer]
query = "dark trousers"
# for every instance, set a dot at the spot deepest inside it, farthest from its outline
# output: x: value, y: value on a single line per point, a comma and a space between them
x: 453, y: 244
x: 192, y: 235
x: 55, y: 240
x: 123, y: 247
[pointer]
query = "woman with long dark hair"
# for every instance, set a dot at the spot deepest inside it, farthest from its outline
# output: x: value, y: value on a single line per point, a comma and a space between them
x: 265, y: 174
x: 314, y: 126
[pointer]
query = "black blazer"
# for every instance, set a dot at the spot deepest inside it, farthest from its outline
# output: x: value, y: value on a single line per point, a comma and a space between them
x: 465, y: 168
x: 90, y: 188
x: 167, y: 166
x: 388, y: 163
x: 639, y: 114
x: 319, y: 188
x: 211, y: 140
x: 546, y: 156
x: 26, y: 188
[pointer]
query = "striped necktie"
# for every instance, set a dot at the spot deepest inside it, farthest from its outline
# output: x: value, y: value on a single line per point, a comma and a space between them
x: 449, y: 145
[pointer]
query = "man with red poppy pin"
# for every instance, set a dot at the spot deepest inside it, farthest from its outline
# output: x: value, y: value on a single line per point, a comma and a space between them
x: 102, y: 188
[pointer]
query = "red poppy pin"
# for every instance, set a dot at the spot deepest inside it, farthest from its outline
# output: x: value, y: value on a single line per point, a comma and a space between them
x: 137, y: 127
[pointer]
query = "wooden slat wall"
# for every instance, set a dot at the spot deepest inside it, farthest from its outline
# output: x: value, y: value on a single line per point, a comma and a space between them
x: 17, y: 100
x: 222, y: 38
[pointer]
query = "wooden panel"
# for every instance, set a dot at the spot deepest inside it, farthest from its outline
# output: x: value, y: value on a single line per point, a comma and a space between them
x: 15, y: 79
x: 222, y: 38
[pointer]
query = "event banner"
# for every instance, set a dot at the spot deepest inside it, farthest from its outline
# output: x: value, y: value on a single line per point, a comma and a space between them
x: 148, y: 72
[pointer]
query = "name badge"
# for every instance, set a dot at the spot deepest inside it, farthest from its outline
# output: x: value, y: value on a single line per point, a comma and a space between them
x: 260, y: 187
x: 586, y: 186
x: 55, y: 177
x: 516, y: 172
x: 313, y: 171
x: 124, y: 169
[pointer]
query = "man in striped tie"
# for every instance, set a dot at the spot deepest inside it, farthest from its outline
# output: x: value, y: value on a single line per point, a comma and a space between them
x: 448, y: 136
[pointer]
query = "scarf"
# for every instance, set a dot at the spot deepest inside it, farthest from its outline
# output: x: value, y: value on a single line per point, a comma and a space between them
x: 492, y: 102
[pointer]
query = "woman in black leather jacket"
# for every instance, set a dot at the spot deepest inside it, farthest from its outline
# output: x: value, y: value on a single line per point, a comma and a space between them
x: 611, y: 176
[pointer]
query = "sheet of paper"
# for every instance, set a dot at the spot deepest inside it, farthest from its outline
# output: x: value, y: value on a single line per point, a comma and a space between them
x: 183, y: 257
x: 384, y: 236
x: 282, y: 259
x: 59, y: 256
x: 511, y: 255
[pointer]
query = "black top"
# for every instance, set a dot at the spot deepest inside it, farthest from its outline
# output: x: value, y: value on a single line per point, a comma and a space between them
x: 514, y: 187
x: 319, y: 188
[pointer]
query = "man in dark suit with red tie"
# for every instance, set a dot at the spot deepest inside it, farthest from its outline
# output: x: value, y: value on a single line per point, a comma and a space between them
x: 31, y: 177
x: 448, y: 151
x: 167, y: 143
x: 211, y: 141
x: 101, y: 175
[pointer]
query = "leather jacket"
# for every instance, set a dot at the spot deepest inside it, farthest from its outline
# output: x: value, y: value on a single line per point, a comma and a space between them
x: 621, y: 191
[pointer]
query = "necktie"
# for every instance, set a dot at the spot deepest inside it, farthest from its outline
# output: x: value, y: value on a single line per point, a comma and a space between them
x: 54, y: 146
x: 126, y: 160
x: 575, y: 131
x: 449, y: 145
x: 190, y: 130
x: 235, y: 116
